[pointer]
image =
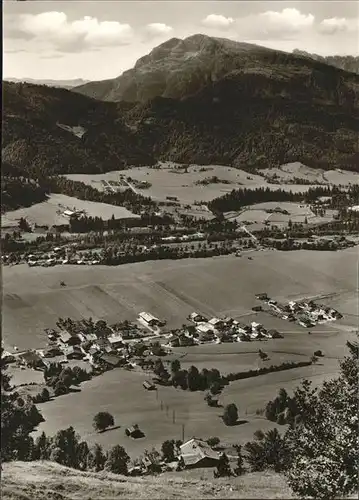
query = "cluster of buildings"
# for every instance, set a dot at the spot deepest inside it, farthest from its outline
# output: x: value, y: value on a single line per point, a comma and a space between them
x: 305, y: 313
x: 184, y: 237
x: 218, y: 330
x: 59, y: 257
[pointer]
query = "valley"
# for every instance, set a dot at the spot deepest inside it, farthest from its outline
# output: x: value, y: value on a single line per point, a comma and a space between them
x: 180, y: 268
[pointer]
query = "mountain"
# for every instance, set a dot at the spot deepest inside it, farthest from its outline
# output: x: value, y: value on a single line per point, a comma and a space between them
x: 179, y: 68
x: 65, y: 84
x: 348, y: 63
x: 273, y: 109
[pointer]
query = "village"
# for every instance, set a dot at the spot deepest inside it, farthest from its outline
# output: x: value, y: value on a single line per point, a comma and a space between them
x: 138, y: 344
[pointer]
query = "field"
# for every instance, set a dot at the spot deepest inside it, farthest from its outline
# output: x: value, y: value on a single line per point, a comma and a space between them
x: 288, y: 172
x: 297, y: 213
x: 169, y: 181
x: 33, y: 300
x: 50, y: 211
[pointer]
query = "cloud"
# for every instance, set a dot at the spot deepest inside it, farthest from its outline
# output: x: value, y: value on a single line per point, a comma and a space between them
x: 55, y: 29
x: 158, y: 29
x: 286, y: 21
x: 334, y: 25
x: 217, y: 21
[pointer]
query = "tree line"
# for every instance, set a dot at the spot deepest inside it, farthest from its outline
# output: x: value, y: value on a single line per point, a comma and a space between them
x: 239, y: 198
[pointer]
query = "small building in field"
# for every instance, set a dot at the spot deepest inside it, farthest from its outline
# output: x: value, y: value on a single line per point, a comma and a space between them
x: 134, y: 431
x: 197, y: 453
x: 149, y: 319
x: 196, y: 317
x: 149, y: 385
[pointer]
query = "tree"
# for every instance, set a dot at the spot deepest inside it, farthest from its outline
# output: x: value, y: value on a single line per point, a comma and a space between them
x: 213, y: 441
x: 60, y: 389
x: 168, y: 450
x: 230, y: 415
x: 45, y: 395
x: 82, y: 455
x: 102, y: 421
x: 67, y: 441
x: 19, y: 416
x: 324, y: 445
x: 42, y: 445
x: 96, y: 458
x: 314, y: 359
x: 270, y: 452
x: 240, y: 469
x: 175, y: 366
x: 223, y: 468
x: 193, y: 379
x: 117, y: 460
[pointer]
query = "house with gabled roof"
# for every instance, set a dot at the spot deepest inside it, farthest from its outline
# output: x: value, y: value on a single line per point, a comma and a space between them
x: 197, y: 453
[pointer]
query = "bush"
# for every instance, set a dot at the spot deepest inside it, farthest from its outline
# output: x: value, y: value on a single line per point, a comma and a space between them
x: 223, y: 468
x: 168, y: 450
x: 230, y: 415
x: 213, y: 441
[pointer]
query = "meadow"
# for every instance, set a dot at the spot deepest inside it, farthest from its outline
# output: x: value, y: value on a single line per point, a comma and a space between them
x: 297, y: 213
x: 169, y: 180
x: 296, y: 170
x: 162, y: 414
x: 33, y: 298
x: 50, y: 212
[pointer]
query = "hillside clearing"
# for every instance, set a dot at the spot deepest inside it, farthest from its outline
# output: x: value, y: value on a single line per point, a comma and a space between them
x: 170, y: 180
x: 50, y: 212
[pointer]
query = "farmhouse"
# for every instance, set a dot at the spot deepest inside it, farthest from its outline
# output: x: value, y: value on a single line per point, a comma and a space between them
x: 205, y: 328
x: 68, y: 339
x: 149, y: 385
x: 31, y: 358
x: 111, y: 360
x: 216, y: 322
x: 115, y: 341
x: 195, y: 317
x: 73, y: 352
x: 134, y: 431
x: 149, y: 319
x: 197, y: 453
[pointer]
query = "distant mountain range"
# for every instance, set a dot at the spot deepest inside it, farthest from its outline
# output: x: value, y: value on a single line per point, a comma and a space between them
x: 65, y: 84
x: 200, y: 100
x: 348, y: 63
x: 179, y: 68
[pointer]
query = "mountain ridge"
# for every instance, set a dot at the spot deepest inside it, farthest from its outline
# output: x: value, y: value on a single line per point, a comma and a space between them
x: 179, y: 68
x: 255, y: 108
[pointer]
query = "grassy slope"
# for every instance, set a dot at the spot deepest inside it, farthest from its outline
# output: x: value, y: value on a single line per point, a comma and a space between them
x: 45, y: 480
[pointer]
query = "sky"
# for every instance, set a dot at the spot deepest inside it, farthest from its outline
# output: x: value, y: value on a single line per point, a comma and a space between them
x: 101, y: 39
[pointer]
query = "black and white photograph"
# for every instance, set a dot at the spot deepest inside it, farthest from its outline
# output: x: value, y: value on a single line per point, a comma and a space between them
x: 180, y: 250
